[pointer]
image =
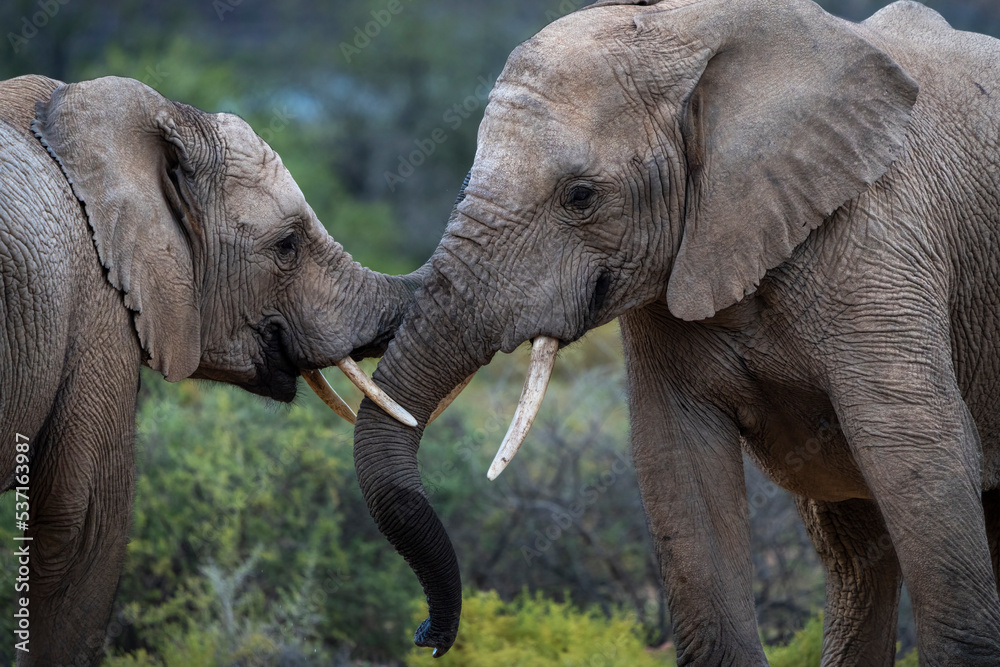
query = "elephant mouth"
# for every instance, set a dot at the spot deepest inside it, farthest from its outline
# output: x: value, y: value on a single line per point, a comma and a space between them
x: 543, y: 356
x: 375, y: 348
x: 595, y: 308
x: 275, y: 374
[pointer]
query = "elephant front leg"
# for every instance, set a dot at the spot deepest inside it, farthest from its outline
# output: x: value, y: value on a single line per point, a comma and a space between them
x: 81, y: 491
x: 695, y: 499
x: 991, y: 510
x: 915, y: 442
x: 862, y: 581
x: 690, y: 470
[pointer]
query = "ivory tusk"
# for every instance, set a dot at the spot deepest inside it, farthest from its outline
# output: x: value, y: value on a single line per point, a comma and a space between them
x: 447, y: 400
x: 374, y: 392
x: 543, y: 358
x: 318, y: 384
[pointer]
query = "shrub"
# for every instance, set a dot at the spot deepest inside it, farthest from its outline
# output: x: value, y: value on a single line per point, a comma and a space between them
x: 534, y: 630
x: 250, y: 538
x: 909, y: 660
x: 806, y: 648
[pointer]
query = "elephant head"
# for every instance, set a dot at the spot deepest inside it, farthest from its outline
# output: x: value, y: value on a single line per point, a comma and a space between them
x: 627, y: 155
x: 228, y: 271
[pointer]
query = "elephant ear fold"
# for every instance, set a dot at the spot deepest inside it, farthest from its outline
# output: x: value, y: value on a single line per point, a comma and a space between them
x: 791, y: 115
x: 124, y: 149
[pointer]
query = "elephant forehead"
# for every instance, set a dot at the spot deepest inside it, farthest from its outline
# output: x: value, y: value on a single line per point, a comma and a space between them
x: 247, y: 155
x: 576, y: 59
x: 266, y: 200
x: 527, y: 139
x: 571, y: 81
x: 257, y: 183
x: 519, y: 141
x: 567, y: 103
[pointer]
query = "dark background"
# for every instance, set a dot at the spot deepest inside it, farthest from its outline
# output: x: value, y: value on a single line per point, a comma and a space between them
x: 285, y: 63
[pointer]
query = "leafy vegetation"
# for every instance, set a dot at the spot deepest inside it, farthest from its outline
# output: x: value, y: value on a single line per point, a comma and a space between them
x: 250, y: 534
x: 251, y: 543
x: 806, y: 648
x: 534, y: 630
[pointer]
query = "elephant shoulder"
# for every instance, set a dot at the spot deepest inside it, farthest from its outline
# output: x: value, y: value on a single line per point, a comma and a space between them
x: 32, y: 186
x: 20, y: 149
x: 954, y: 67
x: 18, y: 97
x: 906, y: 18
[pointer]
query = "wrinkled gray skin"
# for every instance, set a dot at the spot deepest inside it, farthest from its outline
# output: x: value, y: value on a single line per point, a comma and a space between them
x: 798, y: 221
x: 213, y: 267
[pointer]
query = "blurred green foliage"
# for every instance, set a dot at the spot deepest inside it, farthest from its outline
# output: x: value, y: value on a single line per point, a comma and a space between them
x: 346, y: 91
x: 251, y: 537
x: 533, y: 630
x: 250, y: 534
x: 806, y: 648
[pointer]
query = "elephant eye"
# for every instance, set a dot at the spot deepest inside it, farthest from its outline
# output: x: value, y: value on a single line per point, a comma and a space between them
x: 580, y: 197
x: 287, y: 246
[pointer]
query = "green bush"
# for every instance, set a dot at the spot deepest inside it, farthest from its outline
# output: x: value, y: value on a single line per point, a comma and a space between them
x: 909, y: 660
x: 534, y: 630
x: 806, y: 648
x: 250, y: 538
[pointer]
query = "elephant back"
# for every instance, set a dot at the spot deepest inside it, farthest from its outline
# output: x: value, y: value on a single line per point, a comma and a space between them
x: 18, y: 97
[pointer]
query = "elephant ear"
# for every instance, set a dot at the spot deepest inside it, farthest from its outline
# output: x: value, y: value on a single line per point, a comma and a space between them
x: 124, y: 149
x: 793, y: 114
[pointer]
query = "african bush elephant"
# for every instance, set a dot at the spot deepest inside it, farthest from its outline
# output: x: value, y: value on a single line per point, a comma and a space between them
x: 797, y: 219
x: 193, y: 252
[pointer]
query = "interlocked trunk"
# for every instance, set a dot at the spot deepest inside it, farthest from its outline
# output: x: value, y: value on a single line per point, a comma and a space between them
x: 429, y: 356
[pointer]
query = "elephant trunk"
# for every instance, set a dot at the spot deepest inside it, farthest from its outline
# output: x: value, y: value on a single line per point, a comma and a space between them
x: 426, y: 360
x: 390, y: 297
x: 394, y: 293
x: 348, y: 313
x: 378, y: 303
